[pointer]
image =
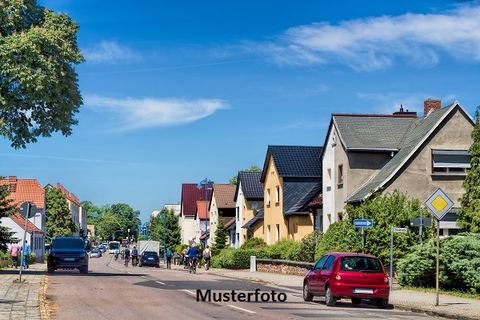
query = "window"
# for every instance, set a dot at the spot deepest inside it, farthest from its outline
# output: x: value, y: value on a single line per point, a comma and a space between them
x: 360, y: 264
x: 278, y: 232
x: 269, y: 238
x: 277, y: 194
x: 450, y: 161
x: 340, y: 176
x: 320, y: 262
x: 268, y: 197
x: 329, y: 263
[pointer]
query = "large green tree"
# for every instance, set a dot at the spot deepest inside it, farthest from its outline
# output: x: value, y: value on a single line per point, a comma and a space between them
x: 165, y: 228
x: 59, y: 219
x: 469, y: 214
x: 6, y: 209
x: 39, y: 91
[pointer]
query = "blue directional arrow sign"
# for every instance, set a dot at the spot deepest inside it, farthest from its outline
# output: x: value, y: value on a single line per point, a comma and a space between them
x: 363, y: 223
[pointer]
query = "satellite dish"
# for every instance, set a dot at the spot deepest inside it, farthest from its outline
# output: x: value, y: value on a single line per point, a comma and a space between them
x: 24, y: 209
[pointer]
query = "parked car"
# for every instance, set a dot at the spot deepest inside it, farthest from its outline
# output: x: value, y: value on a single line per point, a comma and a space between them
x: 67, y: 253
x: 95, y: 253
x: 150, y: 258
x: 347, y: 275
x: 102, y: 248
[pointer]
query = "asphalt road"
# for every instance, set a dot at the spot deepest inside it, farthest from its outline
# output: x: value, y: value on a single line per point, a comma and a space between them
x: 112, y: 291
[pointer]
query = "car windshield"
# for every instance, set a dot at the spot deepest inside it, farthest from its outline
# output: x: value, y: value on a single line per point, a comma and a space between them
x: 356, y: 263
x: 68, y: 243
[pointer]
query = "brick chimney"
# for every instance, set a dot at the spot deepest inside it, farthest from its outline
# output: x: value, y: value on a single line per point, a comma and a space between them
x: 430, y: 105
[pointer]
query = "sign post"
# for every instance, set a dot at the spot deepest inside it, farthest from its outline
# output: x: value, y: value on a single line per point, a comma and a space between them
x: 439, y: 204
x: 363, y: 223
x: 26, y: 212
x: 392, y: 231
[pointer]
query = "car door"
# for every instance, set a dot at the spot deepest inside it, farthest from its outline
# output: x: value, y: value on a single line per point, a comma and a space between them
x: 315, y: 275
x: 325, y: 274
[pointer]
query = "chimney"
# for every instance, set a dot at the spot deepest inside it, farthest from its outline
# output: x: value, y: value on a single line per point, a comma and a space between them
x: 430, y: 105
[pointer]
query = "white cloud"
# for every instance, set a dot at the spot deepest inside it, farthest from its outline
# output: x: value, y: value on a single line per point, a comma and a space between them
x: 137, y: 113
x: 109, y: 52
x: 376, y: 42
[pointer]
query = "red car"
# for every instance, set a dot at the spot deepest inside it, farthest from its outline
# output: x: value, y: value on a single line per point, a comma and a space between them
x: 347, y: 275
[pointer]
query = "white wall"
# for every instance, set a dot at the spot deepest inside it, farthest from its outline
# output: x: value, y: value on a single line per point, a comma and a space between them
x: 328, y: 181
x: 188, y: 229
x: 239, y: 218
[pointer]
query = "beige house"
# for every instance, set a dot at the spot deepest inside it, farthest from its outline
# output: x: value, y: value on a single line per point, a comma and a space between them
x: 191, y: 193
x: 222, y: 207
x: 365, y: 154
x: 291, y: 179
x: 248, y: 203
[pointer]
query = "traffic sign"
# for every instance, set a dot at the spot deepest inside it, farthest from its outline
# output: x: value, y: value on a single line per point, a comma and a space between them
x: 400, y: 230
x: 439, y: 203
x: 363, y: 223
x: 417, y: 222
x: 27, y: 209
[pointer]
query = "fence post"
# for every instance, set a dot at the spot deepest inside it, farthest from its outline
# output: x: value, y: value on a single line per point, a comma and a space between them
x: 253, y: 264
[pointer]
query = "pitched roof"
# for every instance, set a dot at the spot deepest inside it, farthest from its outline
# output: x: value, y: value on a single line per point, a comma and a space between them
x: 252, y: 187
x: 68, y: 195
x: 370, y: 132
x: 294, y: 161
x: 224, y: 194
x: 190, y: 194
x: 202, y: 210
x: 20, y: 221
x: 258, y: 217
x: 298, y: 195
x: 23, y: 190
x: 417, y: 135
x: 230, y: 223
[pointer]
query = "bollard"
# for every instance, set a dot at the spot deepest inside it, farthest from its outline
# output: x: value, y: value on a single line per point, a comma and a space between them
x: 253, y: 264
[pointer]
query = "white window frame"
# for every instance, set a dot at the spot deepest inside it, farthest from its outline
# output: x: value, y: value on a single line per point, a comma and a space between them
x: 450, y: 162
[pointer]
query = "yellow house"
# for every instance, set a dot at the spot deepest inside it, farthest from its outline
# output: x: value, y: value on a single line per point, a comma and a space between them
x: 292, y: 178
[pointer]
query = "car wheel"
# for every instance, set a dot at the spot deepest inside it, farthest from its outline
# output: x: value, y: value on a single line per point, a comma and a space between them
x: 50, y: 270
x: 329, y: 299
x: 307, y: 296
x: 356, y: 300
x: 382, y: 303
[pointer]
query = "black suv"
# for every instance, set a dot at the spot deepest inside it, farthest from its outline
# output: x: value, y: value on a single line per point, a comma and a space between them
x: 67, y: 253
x: 150, y: 258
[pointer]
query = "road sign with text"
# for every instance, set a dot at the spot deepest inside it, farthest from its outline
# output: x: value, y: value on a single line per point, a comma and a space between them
x: 363, y: 223
x: 400, y: 230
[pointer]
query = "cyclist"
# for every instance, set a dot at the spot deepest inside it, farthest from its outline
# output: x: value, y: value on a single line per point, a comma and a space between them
x: 193, y: 256
x: 127, y: 256
x: 134, y: 256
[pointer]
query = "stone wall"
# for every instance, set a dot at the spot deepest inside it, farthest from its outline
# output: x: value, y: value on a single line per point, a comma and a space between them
x: 281, y: 268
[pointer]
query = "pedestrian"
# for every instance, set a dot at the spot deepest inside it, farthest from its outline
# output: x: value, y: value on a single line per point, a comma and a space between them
x: 25, y: 254
x: 14, y: 250
x: 207, y: 255
x: 168, y: 254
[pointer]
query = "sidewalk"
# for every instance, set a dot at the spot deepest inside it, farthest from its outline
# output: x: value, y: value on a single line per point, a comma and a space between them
x: 410, y: 300
x: 22, y: 300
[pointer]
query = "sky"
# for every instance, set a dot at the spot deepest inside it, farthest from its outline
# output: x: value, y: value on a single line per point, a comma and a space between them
x: 178, y: 91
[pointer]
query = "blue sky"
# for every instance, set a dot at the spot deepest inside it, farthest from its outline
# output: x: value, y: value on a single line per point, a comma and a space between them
x: 176, y: 91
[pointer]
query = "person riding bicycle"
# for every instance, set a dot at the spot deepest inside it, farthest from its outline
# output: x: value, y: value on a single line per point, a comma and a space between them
x: 127, y: 255
x: 134, y: 255
x: 192, y: 255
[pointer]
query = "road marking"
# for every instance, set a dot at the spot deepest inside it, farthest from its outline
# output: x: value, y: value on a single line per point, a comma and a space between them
x: 143, y: 277
x: 241, y: 309
x: 160, y: 282
x: 189, y: 291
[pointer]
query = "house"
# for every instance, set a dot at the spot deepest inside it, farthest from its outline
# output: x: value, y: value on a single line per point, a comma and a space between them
x: 230, y: 227
x: 173, y: 207
x: 202, y: 220
x: 222, y: 207
x: 291, y: 178
x: 191, y: 193
x: 27, y: 190
x: 366, y: 154
x: 248, y: 201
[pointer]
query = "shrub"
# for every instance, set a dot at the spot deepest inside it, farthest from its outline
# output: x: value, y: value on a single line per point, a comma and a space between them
x: 306, y: 250
x: 459, y: 264
x: 284, y: 249
x: 253, y: 243
x: 32, y: 258
x: 340, y: 236
x: 230, y: 258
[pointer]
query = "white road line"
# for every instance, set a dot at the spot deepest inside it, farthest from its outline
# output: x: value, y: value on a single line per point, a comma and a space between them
x: 160, y: 282
x: 189, y: 291
x: 241, y: 309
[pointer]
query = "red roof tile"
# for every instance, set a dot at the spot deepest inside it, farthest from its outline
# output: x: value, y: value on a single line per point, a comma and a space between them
x: 202, y: 210
x: 20, y: 220
x: 224, y: 195
x: 190, y: 195
x: 23, y: 190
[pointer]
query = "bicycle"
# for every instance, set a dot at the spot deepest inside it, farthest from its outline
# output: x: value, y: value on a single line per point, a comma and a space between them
x: 127, y: 259
x: 193, y: 265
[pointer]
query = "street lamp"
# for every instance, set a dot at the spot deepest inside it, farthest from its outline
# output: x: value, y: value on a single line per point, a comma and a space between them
x: 206, y: 184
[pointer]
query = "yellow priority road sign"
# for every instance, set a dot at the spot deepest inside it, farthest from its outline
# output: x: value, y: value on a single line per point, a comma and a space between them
x: 439, y: 204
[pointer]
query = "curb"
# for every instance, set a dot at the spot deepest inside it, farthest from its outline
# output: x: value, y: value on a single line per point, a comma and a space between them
x: 42, y: 298
x: 432, y: 312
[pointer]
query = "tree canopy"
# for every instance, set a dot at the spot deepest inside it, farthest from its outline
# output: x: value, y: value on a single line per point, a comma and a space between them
x: 6, y: 209
x: 39, y: 91
x: 165, y: 228
x: 469, y: 214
